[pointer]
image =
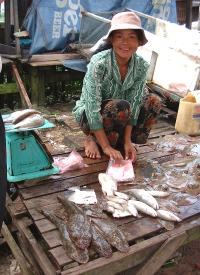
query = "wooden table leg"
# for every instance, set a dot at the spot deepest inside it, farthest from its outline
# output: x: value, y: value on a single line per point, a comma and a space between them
x: 37, y: 86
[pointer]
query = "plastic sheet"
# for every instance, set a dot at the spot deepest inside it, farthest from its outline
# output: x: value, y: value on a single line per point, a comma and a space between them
x: 121, y: 170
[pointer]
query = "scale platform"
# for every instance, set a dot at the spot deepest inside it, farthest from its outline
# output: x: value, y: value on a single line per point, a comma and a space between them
x: 27, y: 158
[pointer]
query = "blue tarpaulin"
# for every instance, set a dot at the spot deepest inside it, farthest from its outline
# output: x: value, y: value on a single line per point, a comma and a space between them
x: 54, y: 24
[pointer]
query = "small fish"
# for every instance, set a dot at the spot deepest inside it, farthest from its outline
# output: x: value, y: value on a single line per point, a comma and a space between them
x: 143, y: 207
x: 121, y: 213
x: 145, y: 197
x: 159, y: 194
x: 79, y: 255
x: 132, y: 209
x: 167, y: 215
x: 112, y: 234
x: 115, y: 205
x: 116, y: 199
x: 110, y: 209
x: 121, y: 195
x: 100, y: 245
x: 32, y: 121
x: 108, y: 184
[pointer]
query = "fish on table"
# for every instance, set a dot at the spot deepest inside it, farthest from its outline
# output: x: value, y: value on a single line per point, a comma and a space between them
x: 145, y: 197
x: 18, y: 116
x: 73, y: 252
x: 99, y: 243
x: 112, y: 234
x: 32, y: 121
x: 79, y: 226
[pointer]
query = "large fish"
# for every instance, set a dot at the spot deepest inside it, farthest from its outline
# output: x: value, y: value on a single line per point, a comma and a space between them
x: 32, y: 121
x: 100, y: 245
x: 112, y: 234
x: 143, y: 207
x: 145, y: 197
x: 78, y: 224
x: 79, y: 255
x: 18, y: 116
x: 108, y: 184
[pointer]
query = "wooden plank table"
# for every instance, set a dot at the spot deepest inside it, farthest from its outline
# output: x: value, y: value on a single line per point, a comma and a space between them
x: 150, y: 243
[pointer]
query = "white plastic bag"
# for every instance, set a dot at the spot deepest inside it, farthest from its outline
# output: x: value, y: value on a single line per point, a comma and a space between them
x: 121, y: 170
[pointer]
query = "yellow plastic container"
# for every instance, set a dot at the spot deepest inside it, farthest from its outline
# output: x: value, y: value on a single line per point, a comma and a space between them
x: 188, y: 118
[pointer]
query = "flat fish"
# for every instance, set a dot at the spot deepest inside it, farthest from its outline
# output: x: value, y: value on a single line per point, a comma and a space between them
x: 79, y: 255
x: 144, y: 208
x: 108, y: 184
x: 100, y: 245
x: 112, y: 234
x: 167, y: 215
x: 145, y: 197
x: 78, y: 223
x: 32, y: 121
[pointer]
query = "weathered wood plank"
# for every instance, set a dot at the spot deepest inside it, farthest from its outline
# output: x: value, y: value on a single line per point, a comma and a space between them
x: 162, y: 254
x: 136, y: 255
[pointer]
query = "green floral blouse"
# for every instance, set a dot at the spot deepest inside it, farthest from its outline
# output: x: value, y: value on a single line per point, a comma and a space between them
x: 102, y: 81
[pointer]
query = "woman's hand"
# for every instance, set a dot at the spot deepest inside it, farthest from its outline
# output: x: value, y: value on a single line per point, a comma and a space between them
x: 130, y: 151
x: 112, y: 153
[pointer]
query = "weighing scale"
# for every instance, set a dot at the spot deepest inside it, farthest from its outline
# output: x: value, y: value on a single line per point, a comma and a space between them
x: 27, y: 157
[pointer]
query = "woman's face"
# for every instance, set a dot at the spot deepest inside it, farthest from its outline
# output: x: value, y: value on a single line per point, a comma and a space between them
x: 124, y: 43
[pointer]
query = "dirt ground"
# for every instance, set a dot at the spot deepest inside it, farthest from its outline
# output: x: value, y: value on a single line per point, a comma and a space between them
x: 64, y: 137
x: 185, y: 262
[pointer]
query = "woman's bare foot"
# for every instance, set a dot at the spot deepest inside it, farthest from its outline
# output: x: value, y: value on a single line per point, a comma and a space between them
x: 91, y: 148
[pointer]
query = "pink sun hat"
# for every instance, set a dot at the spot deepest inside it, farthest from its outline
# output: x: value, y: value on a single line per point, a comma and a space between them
x: 127, y: 20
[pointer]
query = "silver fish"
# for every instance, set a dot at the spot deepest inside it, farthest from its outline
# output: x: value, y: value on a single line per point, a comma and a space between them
x: 115, y: 205
x: 167, y: 215
x: 143, y: 207
x: 108, y: 184
x: 121, y: 195
x: 32, y: 121
x: 145, y: 197
x: 121, y: 213
x: 116, y: 199
x: 132, y: 209
x: 159, y: 194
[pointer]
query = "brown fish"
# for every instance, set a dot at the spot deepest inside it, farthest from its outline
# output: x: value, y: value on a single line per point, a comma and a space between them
x: 78, y: 224
x: 112, y: 234
x: 100, y: 245
x: 79, y: 255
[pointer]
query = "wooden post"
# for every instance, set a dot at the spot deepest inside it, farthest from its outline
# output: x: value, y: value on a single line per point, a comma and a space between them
x: 7, y: 29
x: 15, y: 250
x: 37, y: 86
x: 188, y: 9
x: 16, y: 25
